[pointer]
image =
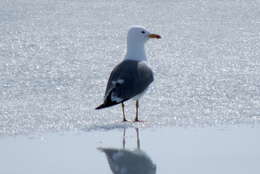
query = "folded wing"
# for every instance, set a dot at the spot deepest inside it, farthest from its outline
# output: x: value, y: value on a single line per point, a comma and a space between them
x: 127, y: 80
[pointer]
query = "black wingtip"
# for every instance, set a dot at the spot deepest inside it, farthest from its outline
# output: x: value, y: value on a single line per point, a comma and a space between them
x: 100, y: 107
x: 106, y: 105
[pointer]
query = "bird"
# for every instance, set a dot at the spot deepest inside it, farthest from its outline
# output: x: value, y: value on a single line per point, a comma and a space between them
x: 131, y: 78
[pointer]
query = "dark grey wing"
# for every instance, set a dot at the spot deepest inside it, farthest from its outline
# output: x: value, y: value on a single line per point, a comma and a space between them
x: 123, y: 80
x: 127, y: 80
x: 118, y: 72
x: 145, y: 76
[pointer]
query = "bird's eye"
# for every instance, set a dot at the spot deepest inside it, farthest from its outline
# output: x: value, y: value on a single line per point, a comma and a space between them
x: 143, y: 32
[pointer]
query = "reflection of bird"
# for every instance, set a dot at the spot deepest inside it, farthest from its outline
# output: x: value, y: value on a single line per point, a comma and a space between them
x: 123, y: 161
x: 130, y: 78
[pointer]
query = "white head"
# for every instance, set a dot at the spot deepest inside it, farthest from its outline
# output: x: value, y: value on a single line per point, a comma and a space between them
x: 136, y: 38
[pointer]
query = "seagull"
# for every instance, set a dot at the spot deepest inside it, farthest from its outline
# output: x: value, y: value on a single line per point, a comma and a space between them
x: 131, y: 78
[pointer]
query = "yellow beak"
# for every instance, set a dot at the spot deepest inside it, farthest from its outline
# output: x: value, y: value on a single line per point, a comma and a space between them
x: 154, y: 36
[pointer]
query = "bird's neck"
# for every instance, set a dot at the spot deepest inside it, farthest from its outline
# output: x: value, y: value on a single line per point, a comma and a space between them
x: 135, y: 51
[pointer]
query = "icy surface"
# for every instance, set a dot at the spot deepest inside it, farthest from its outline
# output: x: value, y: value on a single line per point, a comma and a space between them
x: 172, y: 150
x: 56, y: 56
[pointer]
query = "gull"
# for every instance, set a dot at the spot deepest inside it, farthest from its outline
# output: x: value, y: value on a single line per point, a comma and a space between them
x: 131, y: 78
